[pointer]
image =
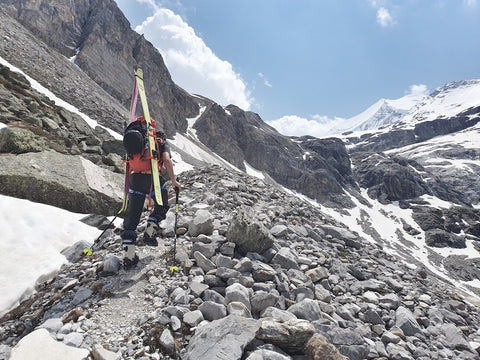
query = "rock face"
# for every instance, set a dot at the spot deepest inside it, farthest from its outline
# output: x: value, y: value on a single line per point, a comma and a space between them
x: 344, y: 299
x: 105, y: 47
x: 318, y: 168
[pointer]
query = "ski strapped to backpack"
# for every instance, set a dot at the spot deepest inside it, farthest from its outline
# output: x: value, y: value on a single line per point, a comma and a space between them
x: 152, y: 145
x: 141, y: 144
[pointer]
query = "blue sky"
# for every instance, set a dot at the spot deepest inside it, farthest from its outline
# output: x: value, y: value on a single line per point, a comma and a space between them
x: 309, y: 62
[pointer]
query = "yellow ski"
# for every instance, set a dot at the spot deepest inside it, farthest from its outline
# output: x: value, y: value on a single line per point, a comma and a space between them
x: 151, y: 138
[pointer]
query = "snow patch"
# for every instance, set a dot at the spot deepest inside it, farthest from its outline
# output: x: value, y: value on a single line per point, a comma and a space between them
x: 33, y: 235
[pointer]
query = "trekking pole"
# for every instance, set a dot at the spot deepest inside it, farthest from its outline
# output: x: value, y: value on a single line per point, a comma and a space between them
x: 88, y: 251
x: 174, y: 267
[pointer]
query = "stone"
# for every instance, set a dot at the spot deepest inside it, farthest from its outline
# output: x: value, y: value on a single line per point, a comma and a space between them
x: 212, y: 310
x: 248, y: 234
x: 286, y: 258
x: 193, y: 318
x: 290, y: 336
x: 238, y: 293
x: 40, y: 345
x: 260, y: 300
x: 318, y: 348
x: 202, y: 223
x: 306, y: 309
x: 406, y: 322
x: 223, y: 339
x: 167, y: 341
x: 203, y: 262
x: 238, y: 308
x: 100, y: 353
x: 317, y: 274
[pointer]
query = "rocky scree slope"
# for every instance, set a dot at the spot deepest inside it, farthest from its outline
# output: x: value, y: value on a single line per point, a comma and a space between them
x: 263, y: 275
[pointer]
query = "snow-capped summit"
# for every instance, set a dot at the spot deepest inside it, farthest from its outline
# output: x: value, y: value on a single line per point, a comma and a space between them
x: 447, y: 101
x: 382, y: 113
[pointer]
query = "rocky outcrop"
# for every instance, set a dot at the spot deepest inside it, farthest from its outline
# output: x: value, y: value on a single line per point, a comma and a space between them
x: 317, y: 292
x: 318, y: 168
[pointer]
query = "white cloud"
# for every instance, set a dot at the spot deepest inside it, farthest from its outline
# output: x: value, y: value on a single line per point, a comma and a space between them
x: 419, y: 89
x: 265, y: 81
x: 384, y: 18
x: 192, y: 64
x: 293, y: 125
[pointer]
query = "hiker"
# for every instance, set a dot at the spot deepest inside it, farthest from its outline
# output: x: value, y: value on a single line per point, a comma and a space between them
x: 140, y: 185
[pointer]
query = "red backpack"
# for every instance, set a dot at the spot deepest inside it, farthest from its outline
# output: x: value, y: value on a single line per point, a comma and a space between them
x: 135, y: 141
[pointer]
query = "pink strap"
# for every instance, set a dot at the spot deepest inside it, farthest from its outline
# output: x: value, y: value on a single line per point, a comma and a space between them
x: 134, y: 101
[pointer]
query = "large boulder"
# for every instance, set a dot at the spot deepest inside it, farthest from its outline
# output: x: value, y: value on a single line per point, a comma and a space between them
x: 248, y: 234
x: 69, y: 182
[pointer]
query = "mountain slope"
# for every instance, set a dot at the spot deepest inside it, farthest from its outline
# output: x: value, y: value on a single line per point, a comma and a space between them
x: 384, y: 112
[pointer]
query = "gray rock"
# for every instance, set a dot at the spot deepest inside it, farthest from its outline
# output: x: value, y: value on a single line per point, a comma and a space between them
x: 223, y: 339
x: 197, y: 288
x: 237, y: 293
x: 286, y: 258
x: 317, y: 274
x: 277, y: 314
x: 406, y: 322
x: 61, y: 180
x: 40, y: 345
x: 238, y: 308
x: 202, y: 223
x: 52, y: 325
x: 262, y: 272
x: 212, y: 310
x: 73, y: 339
x: 248, y: 234
x: 193, y: 318
x: 264, y: 354
x: 167, y: 341
x: 261, y: 300
x: 279, y: 230
x: 454, y: 338
x: 203, y: 262
x: 100, y: 353
x: 306, y: 309
x: 290, y: 335
x: 112, y: 264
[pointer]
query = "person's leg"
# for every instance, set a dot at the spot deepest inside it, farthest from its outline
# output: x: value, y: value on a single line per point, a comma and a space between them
x: 139, y: 188
x: 158, y: 214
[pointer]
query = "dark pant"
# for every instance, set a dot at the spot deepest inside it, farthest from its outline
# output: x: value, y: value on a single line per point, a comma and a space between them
x: 140, y: 186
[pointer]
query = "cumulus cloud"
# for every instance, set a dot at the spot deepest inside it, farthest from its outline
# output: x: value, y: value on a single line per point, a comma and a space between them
x: 419, y: 89
x: 192, y: 64
x: 384, y: 17
x: 293, y: 125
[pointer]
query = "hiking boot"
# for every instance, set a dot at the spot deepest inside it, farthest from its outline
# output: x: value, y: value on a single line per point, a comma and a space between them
x: 150, y: 235
x: 130, y: 263
x: 130, y: 259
